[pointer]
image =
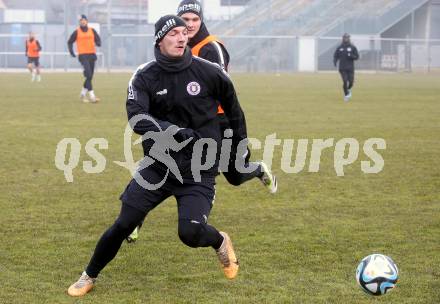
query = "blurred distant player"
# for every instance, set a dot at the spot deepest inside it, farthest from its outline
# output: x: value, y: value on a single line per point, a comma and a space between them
x: 208, y: 47
x: 86, y: 39
x: 346, y: 54
x: 33, y: 48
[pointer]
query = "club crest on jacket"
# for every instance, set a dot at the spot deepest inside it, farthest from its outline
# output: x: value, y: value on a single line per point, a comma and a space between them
x: 193, y: 88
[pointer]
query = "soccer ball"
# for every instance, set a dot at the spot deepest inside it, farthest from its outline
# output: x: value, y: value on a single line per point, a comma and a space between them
x: 376, y: 274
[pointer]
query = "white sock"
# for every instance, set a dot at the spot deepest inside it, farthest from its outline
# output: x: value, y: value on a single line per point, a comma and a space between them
x: 83, y: 92
x: 38, y: 77
x: 92, y: 95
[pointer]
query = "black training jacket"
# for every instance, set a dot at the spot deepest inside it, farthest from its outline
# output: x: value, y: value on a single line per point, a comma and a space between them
x: 346, y: 54
x: 184, y: 94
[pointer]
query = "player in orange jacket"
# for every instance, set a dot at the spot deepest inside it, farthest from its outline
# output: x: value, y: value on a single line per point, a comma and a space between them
x: 87, y: 39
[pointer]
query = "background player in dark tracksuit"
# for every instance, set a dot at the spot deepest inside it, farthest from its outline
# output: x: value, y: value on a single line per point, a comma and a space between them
x: 33, y: 48
x: 208, y: 47
x: 202, y: 44
x: 86, y: 39
x: 346, y: 54
x: 179, y: 93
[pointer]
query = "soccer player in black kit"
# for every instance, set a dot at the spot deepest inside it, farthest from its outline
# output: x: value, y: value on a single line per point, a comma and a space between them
x: 346, y: 54
x: 209, y: 47
x: 178, y: 93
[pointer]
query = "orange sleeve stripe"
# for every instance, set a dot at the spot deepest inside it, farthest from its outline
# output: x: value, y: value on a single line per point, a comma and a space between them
x: 196, y: 49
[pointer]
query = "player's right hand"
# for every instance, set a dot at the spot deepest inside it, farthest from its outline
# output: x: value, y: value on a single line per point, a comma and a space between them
x: 183, y: 134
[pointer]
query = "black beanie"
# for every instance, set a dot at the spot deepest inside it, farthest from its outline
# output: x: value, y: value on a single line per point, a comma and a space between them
x: 190, y: 6
x: 83, y: 17
x: 166, y: 24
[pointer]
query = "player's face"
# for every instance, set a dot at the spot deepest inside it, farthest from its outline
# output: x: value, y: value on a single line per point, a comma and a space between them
x: 193, y: 23
x: 174, y: 43
x: 83, y: 22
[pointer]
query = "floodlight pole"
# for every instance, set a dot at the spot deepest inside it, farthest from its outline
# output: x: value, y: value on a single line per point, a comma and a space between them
x: 229, y: 12
x: 87, y: 7
x: 271, y: 19
x: 139, y: 12
x: 412, y: 37
x: 66, y: 28
x: 109, y: 35
x: 428, y: 36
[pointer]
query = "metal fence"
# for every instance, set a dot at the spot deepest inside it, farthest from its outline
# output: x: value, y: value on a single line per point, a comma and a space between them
x: 255, y: 54
x: 48, y: 60
x: 54, y: 55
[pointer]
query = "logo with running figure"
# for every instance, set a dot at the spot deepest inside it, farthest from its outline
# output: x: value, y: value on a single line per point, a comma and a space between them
x: 193, y: 88
x: 163, y: 143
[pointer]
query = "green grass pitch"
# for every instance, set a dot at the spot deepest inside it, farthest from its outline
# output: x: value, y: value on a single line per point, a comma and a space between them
x: 299, y: 246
